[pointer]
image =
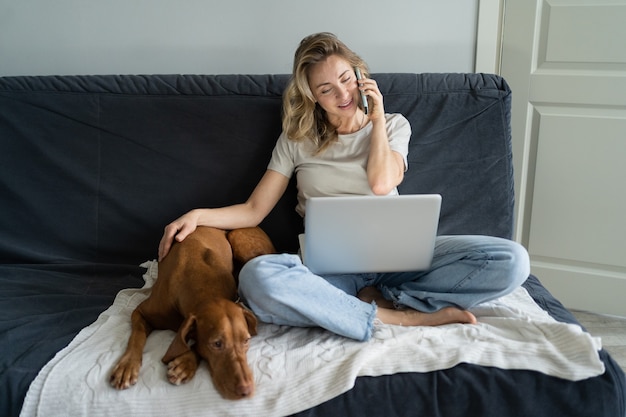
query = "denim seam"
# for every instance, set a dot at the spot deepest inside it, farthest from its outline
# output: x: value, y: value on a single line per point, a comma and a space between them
x: 461, y: 283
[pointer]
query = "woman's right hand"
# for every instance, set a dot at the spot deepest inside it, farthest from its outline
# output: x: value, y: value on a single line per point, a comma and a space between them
x: 178, y: 230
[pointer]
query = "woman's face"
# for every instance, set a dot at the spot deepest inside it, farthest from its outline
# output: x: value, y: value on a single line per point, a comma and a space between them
x: 334, y: 86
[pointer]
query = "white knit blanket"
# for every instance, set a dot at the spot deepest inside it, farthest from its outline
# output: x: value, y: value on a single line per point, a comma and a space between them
x: 297, y: 368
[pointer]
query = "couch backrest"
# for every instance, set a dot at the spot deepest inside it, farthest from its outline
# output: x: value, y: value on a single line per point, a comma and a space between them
x: 92, y: 168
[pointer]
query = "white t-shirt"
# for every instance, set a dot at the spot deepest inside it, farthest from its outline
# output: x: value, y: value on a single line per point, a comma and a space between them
x: 341, y: 168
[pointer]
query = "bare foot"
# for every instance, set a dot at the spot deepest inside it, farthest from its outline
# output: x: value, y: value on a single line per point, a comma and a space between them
x: 369, y: 294
x: 388, y: 314
x: 410, y: 317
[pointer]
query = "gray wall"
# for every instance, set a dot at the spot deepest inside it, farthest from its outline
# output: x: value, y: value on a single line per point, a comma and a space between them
x: 60, y: 37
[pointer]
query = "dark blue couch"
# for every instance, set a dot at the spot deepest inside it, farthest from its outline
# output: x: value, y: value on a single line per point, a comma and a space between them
x: 93, y: 167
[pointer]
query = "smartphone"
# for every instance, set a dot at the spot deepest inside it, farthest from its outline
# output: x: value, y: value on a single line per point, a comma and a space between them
x: 357, y: 71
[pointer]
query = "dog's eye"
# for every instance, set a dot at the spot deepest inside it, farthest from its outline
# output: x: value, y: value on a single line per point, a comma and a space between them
x: 218, y: 344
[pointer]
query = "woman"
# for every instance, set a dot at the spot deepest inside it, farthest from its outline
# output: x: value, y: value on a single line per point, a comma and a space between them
x: 336, y: 149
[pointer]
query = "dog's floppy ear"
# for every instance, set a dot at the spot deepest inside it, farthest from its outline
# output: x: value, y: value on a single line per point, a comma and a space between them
x: 251, y: 320
x: 248, y: 243
x: 179, y: 344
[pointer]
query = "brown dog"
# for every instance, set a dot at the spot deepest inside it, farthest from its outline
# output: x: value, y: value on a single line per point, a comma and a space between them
x: 194, y: 295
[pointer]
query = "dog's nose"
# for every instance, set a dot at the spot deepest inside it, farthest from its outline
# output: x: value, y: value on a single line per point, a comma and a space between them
x: 245, y: 390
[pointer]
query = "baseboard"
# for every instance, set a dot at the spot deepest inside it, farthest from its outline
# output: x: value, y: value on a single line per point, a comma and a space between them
x: 584, y: 288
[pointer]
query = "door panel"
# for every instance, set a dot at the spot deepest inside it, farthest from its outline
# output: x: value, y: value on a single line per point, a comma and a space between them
x: 585, y: 33
x: 579, y: 198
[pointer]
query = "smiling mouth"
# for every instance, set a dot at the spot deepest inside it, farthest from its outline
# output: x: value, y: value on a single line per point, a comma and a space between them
x: 346, y: 105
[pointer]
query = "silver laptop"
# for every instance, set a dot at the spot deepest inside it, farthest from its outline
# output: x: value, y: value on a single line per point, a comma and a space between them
x: 370, y: 233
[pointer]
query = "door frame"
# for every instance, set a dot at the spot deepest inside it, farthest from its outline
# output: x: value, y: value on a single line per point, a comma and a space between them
x: 489, y: 36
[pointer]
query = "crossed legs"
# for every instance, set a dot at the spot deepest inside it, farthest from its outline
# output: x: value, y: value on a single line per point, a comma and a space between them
x: 466, y: 271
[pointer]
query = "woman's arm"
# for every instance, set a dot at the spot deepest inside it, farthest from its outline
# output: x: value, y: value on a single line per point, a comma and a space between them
x: 262, y: 200
x: 385, y: 167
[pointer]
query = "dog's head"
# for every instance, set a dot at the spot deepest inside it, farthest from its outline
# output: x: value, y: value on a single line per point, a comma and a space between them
x: 222, y: 330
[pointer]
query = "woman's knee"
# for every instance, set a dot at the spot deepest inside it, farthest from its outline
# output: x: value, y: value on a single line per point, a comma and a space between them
x: 507, y: 262
x: 510, y: 265
x: 260, y: 275
x: 519, y: 264
x: 507, y: 267
x: 254, y: 273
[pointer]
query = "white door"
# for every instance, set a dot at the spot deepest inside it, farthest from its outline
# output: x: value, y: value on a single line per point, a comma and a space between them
x: 565, y: 61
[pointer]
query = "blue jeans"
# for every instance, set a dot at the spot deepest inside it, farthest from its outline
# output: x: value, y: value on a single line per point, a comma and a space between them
x: 466, y: 271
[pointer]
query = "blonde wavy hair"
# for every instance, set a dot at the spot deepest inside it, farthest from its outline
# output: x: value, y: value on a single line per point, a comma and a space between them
x: 303, y: 118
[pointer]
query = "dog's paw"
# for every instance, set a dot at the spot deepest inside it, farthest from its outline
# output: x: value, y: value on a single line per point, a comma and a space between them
x: 125, y: 374
x: 182, y: 369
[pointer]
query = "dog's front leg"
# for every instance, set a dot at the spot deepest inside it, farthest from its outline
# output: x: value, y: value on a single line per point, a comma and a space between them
x: 182, y: 360
x: 126, y: 372
x: 182, y: 368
